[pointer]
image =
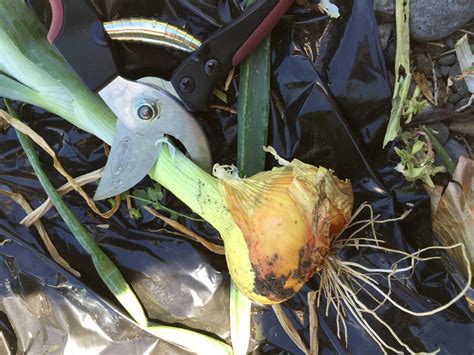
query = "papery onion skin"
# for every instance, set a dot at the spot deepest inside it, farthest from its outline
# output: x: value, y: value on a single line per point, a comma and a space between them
x: 287, y: 219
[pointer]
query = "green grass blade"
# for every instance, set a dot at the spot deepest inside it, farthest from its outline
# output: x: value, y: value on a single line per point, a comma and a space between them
x: 443, y: 154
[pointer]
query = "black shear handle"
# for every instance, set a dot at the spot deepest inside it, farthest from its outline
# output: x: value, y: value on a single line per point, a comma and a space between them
x: 78, y: 34
x: 197, y: 76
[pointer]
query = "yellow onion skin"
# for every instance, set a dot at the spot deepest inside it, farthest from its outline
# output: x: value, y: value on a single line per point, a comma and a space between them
x: 287, y: 219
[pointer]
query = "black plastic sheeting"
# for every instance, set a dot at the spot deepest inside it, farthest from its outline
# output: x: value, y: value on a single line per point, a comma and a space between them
x: 330, y: 101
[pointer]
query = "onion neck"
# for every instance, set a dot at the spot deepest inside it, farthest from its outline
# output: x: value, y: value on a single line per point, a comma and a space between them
x: 193, y: 186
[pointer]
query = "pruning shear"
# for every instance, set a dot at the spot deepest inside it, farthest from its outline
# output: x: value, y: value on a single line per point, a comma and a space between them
x: 150, y: 108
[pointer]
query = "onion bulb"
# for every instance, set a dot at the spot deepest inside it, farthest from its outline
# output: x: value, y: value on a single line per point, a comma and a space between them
x: 287, y: 218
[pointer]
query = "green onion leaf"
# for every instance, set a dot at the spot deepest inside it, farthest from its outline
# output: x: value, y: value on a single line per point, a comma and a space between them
x: 253, y: 111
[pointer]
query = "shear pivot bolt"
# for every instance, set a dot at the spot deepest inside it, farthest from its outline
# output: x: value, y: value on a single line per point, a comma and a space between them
x: 148, y: 109
x: 212, y: 67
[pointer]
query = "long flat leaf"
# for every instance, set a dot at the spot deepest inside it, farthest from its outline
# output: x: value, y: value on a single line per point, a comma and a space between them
x: 253, y: 110
x: 402, y: 69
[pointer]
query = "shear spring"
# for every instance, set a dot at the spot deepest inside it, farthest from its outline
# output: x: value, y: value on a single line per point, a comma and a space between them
x: 151, y: 32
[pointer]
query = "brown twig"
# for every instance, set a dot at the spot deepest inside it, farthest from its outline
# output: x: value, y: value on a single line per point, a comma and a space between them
x: 466, y: 145
x: 445, y: 53
x: 435, y: 82
x: 436, y: 44
x: 439, y: 115
x: 466, y: 31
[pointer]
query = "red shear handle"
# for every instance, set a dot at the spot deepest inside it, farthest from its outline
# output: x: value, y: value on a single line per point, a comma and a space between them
x: 58, y: 19
x: 261, y: 31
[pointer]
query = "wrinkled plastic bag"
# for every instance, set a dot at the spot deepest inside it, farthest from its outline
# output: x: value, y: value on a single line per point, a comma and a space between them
x: 330, y: 103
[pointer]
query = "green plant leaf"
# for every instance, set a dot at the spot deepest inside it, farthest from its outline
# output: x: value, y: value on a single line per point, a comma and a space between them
x: 402, y: 69
x: 141, y: 196
x: 418, y: 146
x: 155, y: 193
x: 252, y: 122
x: 134, y: 213
x: 253, y: 108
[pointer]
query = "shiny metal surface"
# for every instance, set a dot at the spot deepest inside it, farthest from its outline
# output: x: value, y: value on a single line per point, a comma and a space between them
x: 136, y: 142
x: 151, y: 32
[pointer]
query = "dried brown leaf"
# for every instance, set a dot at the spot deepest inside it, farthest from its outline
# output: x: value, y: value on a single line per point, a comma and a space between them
x: 422, y: 82
x: 453, y: 211
x: 230, y: 76
x: 22, y: 127
x: 20, y: 200
x: 288, y: 327
x: 218, y: 249
x: 313, y: 323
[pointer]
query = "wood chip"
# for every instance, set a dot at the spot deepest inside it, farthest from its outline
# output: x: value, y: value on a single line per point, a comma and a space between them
x: 22, y: 127
x: 20, y: 200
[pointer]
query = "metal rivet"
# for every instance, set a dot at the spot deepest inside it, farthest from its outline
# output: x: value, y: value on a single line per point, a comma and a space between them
x: 212, y: 67
x: 187, y: 85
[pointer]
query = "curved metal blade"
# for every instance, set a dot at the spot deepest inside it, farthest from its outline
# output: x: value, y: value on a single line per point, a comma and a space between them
x: 135, y: 147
